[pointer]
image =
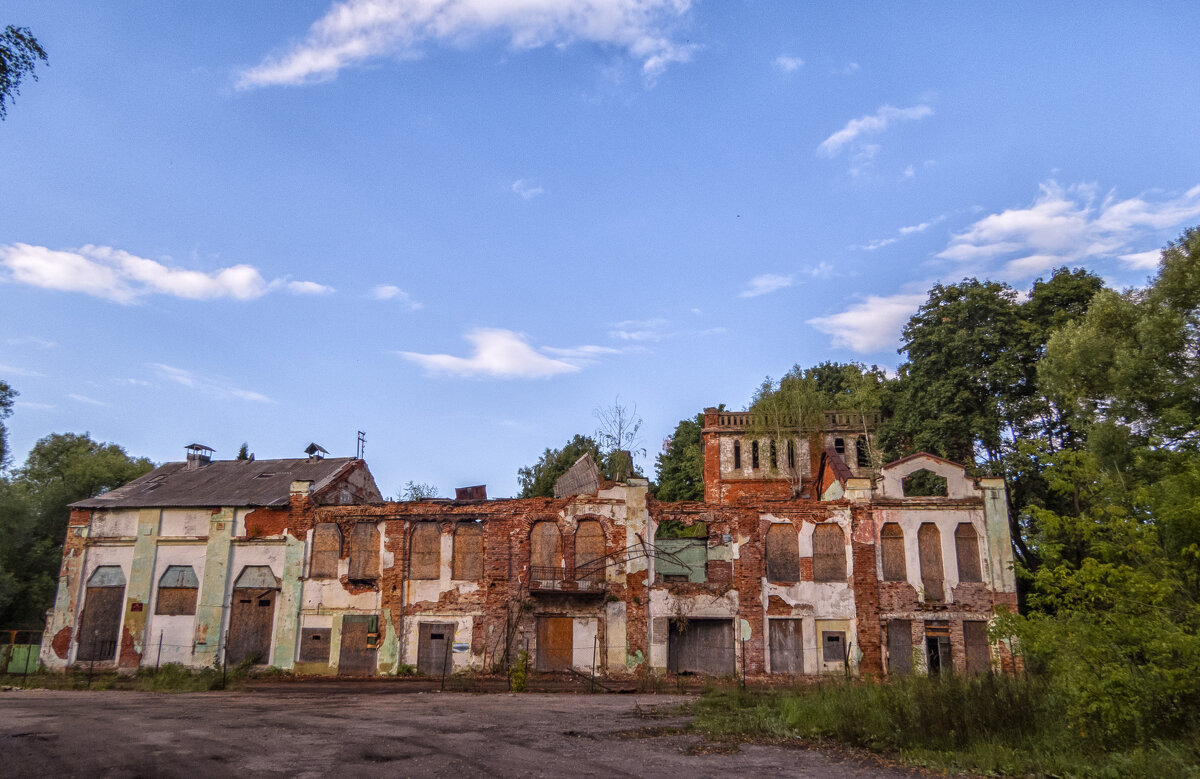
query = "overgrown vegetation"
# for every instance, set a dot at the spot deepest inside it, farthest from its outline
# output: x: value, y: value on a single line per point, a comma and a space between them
x: 170, y: 677
x: 988, y: 724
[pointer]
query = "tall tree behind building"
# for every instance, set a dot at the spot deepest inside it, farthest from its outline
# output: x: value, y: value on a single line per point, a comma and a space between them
x: 19, y: 55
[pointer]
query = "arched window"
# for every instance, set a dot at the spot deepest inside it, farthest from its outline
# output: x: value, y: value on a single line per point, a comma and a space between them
x: 545, y: 545
x: 966, y: 548
x: 177, y: 591
x: 326, y: 551
x: 829, y: 553
x: 864, y: 454
x: 468, y: 551
x: 929, y: 541
x: 425, y: 552
x: 891, y: 544
x: 589, y: 550
x: 364, y: 552
x: 783, y: 553
x: 102, y: 607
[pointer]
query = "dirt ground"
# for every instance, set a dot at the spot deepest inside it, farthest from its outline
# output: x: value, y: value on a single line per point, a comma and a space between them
x: 319, y: 730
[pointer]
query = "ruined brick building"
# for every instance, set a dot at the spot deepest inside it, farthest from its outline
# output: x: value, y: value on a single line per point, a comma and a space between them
x: 803, y: 557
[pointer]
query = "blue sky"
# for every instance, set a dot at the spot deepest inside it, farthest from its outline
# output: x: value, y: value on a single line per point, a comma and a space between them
x: 461, y: 225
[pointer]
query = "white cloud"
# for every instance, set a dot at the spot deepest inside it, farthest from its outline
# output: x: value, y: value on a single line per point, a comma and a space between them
x: 504, y: 354
x: 788, y: 64
x: 13, y: 370
x: 526, y: 189
x: 872, y: 124
x: 354, y: 32
x: 903, y: 232
x: 849, y: 69
x: 212, y: 387
x: 30, y: 340
x: 1142, y: 260
x: 1069, y: 225
x: 392, y: 292
x: 308, y: 288
x: 640, y: 330
x: 871, y: 325
x: 122, y: 277
x: 766, y: 283
x: 33, y: 405
x: 85, y: 399
x: 822, y: 270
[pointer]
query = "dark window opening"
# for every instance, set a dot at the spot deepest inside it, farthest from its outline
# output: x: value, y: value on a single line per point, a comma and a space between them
x: 923, y: 483
x: 774, y: 458
x: 791, y: 454
x: 839, y: 445
x: 864, y: 455
x: 754, y: 455
x: 737, y: 455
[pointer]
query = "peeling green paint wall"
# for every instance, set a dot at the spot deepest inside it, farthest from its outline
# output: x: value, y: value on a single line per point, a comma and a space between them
x: 141, y: 577
x: 210, y: 610
x: 287, y: 618
x: 389, y: 645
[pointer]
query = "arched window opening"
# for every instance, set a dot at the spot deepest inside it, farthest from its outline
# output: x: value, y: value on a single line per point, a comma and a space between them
x: 829, y: 553
x: 589, y: 551
x: 929, y: 542
x: 783, y: 553
x: 966, y: 548
x: 891, y: 543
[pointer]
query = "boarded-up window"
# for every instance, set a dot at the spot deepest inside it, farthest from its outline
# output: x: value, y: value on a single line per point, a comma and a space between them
x: 787, y: 646
x: 468, y: 551
x: 314, y: 645
x: 589, y: 550
x: 326, y: 551
x: 545, y: 545
x: 966, y: 548
x: 783, y: 553
x: 425, y: 554
x: 681, y: 551
x: 979, y: 656
x: 891, y: 546
x: 364, y: 552
x: 177, y: 591
x: 900, y: 646
x: 101, y: 620
x: 929, y: 541
x: 829, y: 553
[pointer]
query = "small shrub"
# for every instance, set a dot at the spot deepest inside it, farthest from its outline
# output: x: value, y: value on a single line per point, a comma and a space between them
x: 518, y: 672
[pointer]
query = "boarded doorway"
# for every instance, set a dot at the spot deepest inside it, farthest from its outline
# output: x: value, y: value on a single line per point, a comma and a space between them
x: 787, y: 647
x: 900, y: 646
x: 252, y: 616
x: 701, y: 646
x: 357, y: 654
x: 101, y: 624
x: 554, y: 643
x: 434, y: 642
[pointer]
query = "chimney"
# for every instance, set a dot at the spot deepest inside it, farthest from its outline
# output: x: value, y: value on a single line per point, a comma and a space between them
x: 315, y: 451
x: 198, y: 456
x: 478, y: 492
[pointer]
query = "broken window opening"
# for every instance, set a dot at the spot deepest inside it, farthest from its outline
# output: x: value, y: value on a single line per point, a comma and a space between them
x: 791, y: 454
x: 829, y: 553
x: 774, y: 458
x: 754, y: 455
x: 425, y: 551
x: 924, y: 484
x: 862, y: 452
x: 687, y: 547
x: 589, y: 551
x: 839, y: 445
x: 891, y: 542
x: 966, y: 548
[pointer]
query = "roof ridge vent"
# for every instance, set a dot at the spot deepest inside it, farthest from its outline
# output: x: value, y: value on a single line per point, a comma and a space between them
x: 198, y: 456
x: 315, y: 451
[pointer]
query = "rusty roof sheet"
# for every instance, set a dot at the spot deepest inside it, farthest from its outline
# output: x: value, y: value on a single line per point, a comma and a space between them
x: 220, y: 483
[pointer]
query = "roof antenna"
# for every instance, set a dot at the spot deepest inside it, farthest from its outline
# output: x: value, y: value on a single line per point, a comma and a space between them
x: 361, y: 449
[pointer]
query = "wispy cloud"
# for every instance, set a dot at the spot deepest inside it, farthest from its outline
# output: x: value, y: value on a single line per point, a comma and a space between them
x: 871, y: 124
x: 1142, y: 260
x: 308, y: 288
x: 85, y: 399
x: 392, y: 292
x: 212, y: 387
x: 13, y: 370
x: 30, y: 340
x: 1069, y: 225
x: 849, y: 69
x: 640, y: 330
x: 871, y: 325
x: 504, y: 354
x: 525, y: 189
x: 355, y: 32
x: 122, y: 277
x: 32, y: 405
x: 788, y: 64
x: 902, y: 233
x: 765, y: 284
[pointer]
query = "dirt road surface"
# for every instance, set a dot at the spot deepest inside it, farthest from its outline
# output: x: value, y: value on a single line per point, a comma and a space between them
x: 323, y: 732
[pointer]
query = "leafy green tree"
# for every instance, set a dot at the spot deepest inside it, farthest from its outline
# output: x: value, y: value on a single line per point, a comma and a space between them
x: 19, y: 54
x: 7, y: 396
x: 61, y: 469
x: 244, y: 452
x: 537, y: 480
x: 680, y: 466
x: 415, y: 490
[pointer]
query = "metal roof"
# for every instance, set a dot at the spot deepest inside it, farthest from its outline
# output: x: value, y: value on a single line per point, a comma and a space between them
x: 220, y: 483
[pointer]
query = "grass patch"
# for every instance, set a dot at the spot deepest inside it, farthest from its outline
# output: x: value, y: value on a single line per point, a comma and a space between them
x: 990, y: 724
x: 171, y: 677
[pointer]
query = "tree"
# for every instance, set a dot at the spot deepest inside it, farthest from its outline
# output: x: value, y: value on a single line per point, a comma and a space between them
x: 679, y: 468
x: 537, y: 480
x: 415, y: 490
x: 61, y: 469
x: 7, y: 396
x: 619, y: 438
x: 244, y: 451
x: 19, y: 53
